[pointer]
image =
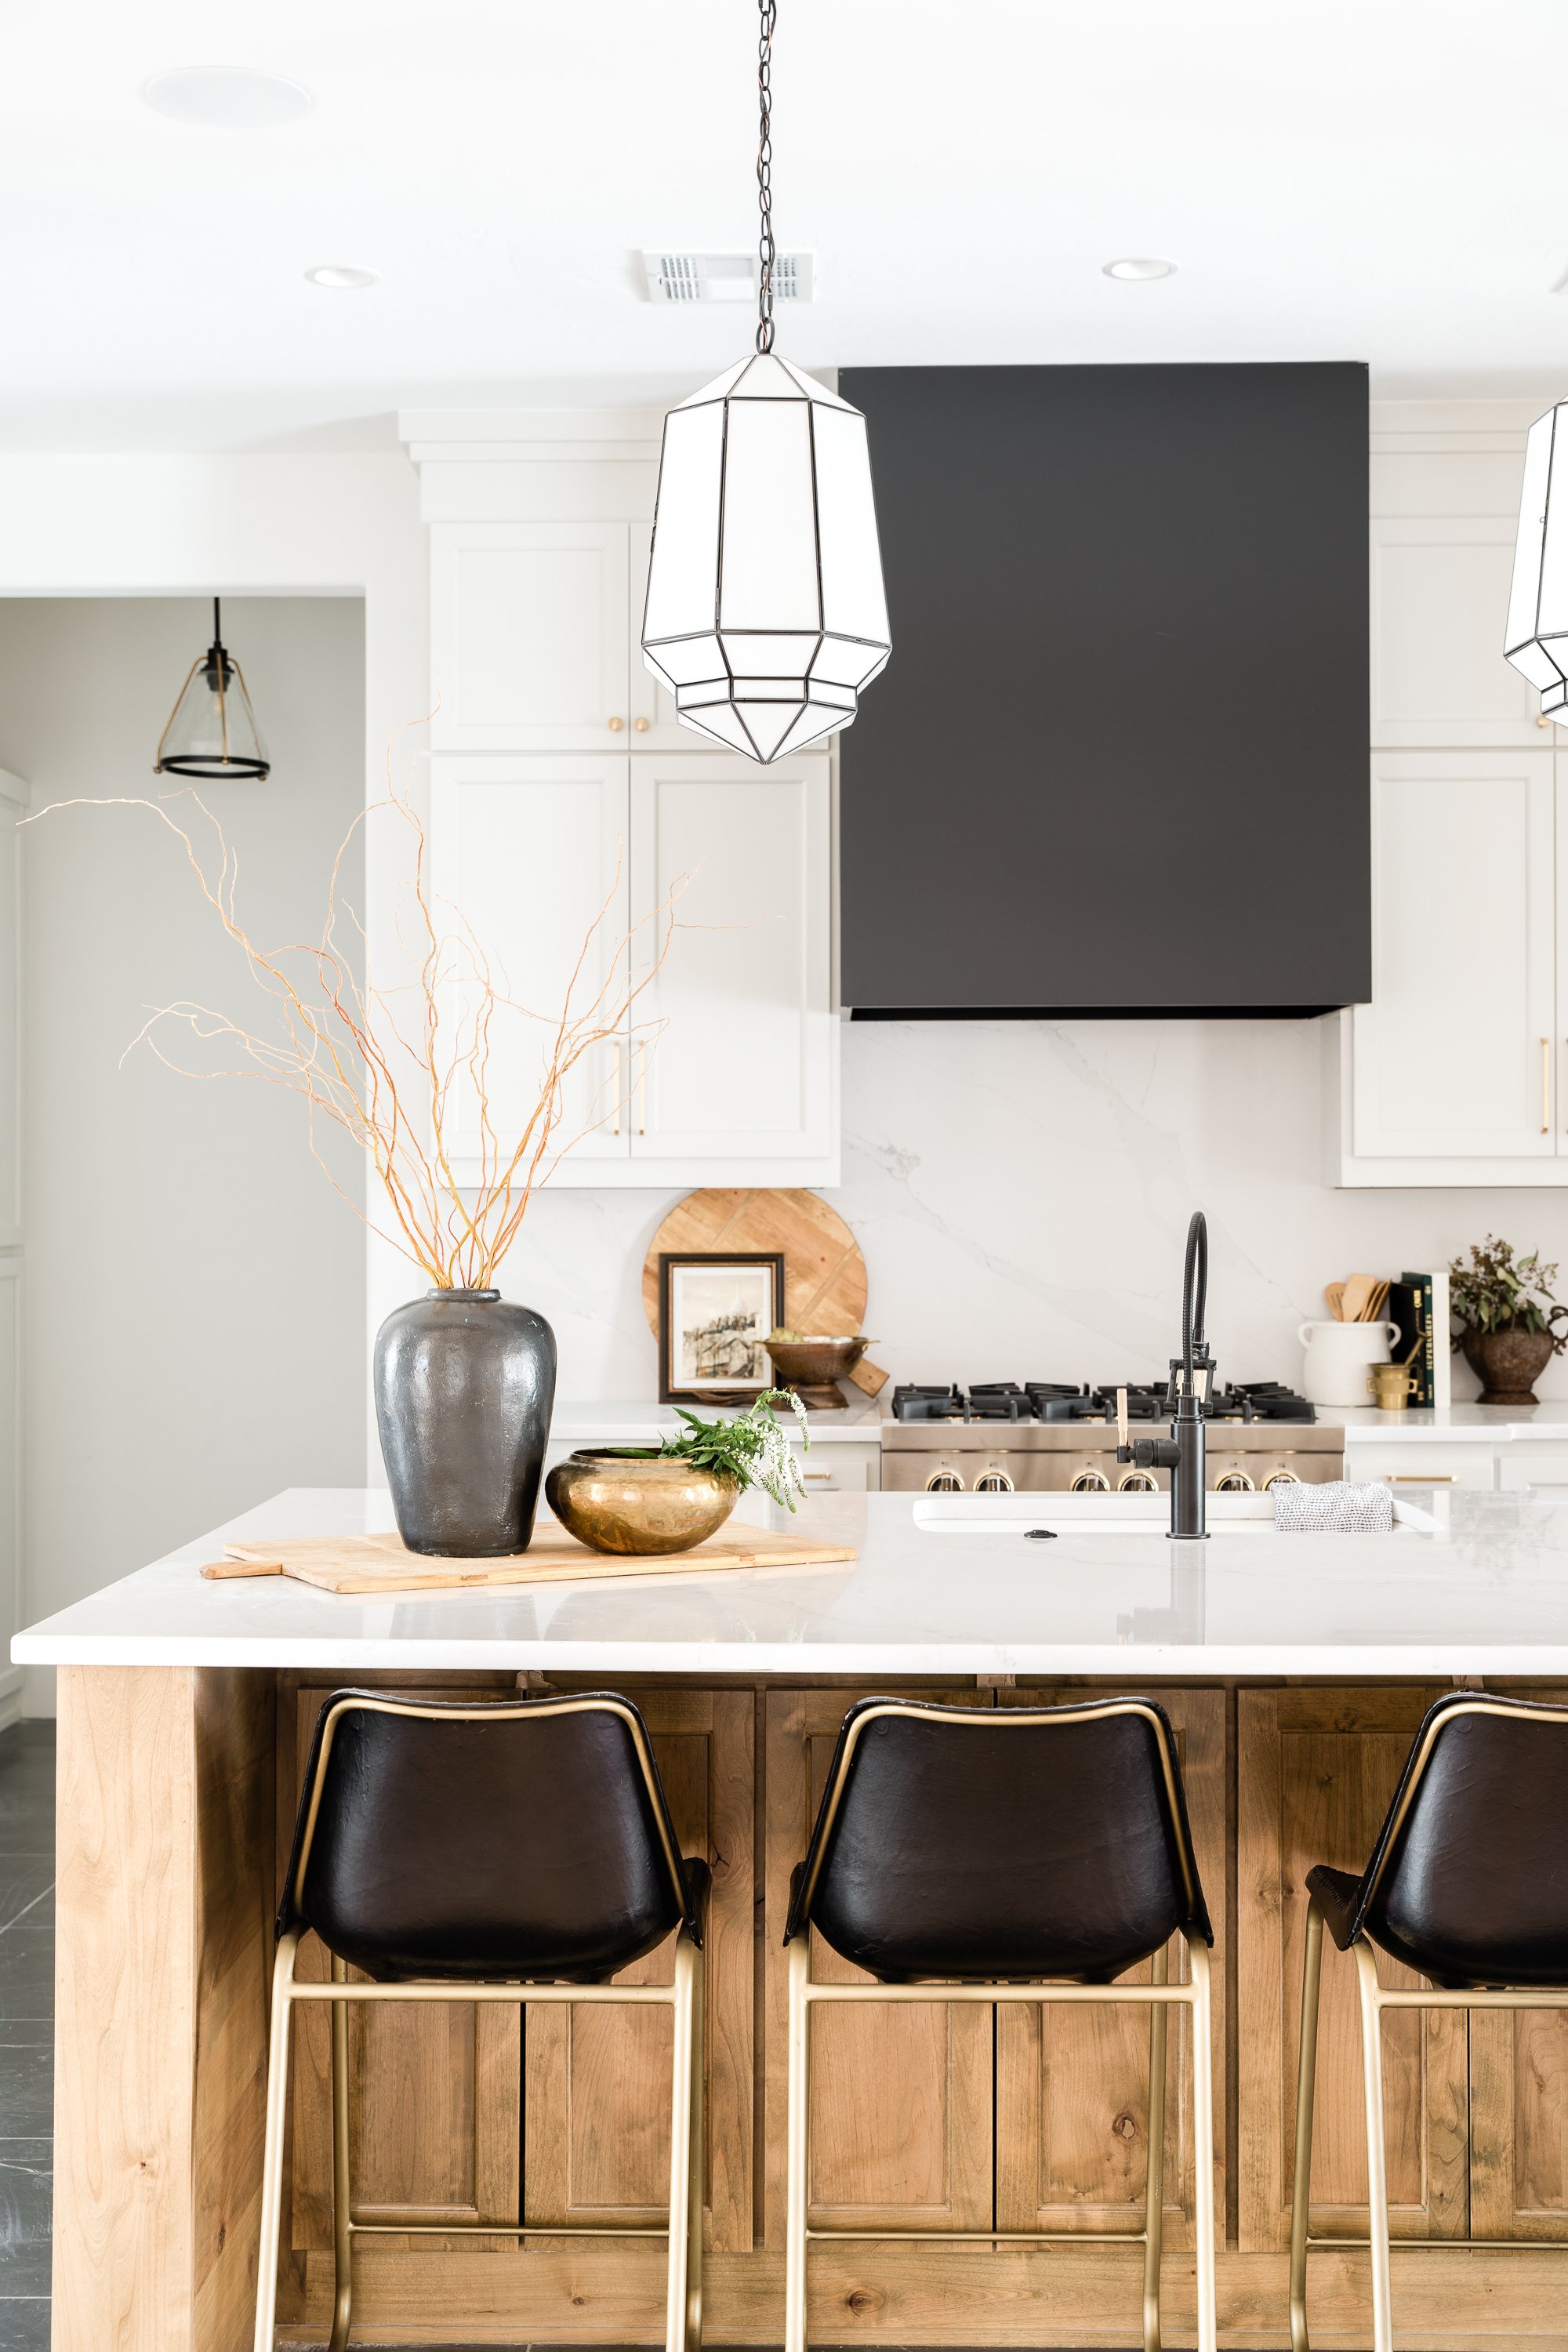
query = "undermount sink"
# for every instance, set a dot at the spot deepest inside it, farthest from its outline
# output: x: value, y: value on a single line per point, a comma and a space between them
x: 1116, y: 1514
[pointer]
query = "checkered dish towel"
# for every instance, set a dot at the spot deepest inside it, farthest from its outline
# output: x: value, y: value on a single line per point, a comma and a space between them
x: 1336, y: 1507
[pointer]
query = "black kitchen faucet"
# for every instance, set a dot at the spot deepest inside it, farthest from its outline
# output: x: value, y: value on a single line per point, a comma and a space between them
x: 1192, y: 1375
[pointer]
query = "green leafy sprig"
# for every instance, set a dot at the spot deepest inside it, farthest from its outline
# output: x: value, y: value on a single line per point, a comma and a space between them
x: 752, y: 1450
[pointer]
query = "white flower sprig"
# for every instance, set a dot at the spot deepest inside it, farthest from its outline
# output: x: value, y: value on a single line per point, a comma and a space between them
x: 753, y: 1449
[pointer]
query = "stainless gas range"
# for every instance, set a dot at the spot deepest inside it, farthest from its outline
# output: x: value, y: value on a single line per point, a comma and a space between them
x: 1038, y: 1436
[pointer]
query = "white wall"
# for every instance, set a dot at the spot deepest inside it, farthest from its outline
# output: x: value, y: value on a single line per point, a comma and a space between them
x: 1021, y: 1190
x: 195, y: 1290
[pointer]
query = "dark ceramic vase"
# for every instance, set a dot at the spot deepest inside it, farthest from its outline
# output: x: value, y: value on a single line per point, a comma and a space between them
x: 464, y: 1385
x: 1508, y: 1363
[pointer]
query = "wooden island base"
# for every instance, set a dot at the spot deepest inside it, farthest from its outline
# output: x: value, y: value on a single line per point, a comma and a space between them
x: 176, y: 1801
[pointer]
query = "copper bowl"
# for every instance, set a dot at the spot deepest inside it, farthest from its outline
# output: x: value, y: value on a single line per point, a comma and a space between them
x: 814, y: 1360
x: 613, y: 1502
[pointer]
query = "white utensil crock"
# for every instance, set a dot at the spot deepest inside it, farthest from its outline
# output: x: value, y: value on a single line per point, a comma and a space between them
x: 1340, y: 1357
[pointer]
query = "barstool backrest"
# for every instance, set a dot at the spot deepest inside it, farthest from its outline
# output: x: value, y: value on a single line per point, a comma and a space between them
x: 1468, y: 1879
x: 484, y: 1839
x: 1001, y: 1841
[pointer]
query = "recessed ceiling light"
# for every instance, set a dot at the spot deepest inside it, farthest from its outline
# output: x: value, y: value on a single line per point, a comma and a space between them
x: 337, y: 273
x: 227, y: 97
x: 1138, y: 267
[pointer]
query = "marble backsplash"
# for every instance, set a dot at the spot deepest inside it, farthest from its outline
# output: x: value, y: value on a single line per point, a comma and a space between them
x: 1021, y: 1190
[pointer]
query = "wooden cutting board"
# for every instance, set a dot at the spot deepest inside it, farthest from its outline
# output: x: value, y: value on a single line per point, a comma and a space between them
x: 825, y: 1274
x: 381, y: 1564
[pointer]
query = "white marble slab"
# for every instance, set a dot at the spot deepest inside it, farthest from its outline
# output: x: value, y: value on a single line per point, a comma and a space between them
x: 1486, y: 1593
x: 1481, y: 1424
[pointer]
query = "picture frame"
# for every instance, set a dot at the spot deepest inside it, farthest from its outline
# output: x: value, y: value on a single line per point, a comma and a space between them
x: 716, y: 1309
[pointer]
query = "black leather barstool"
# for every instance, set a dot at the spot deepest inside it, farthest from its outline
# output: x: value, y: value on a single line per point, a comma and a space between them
x: 511, y: 1851
x: 1466, y: 1885
x: 988, y: 1850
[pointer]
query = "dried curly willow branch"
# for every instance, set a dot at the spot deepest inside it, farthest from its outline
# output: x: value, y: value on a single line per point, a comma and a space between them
x: 405, y: 1070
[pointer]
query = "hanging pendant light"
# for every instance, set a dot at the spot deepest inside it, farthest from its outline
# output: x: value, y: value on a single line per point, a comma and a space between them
x: 212, y: 729
x: 1537, y: 640
x: 765, y: 615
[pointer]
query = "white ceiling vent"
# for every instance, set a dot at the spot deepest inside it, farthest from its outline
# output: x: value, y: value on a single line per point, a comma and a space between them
x: 724, y: 277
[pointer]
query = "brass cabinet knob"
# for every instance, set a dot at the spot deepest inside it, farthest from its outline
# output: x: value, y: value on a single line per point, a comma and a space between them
x: 616, y: 724
x: 641, y: 726
x: 1543, y: 720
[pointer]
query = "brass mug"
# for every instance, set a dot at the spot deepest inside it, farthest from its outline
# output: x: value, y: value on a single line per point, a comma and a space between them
x: 1393, y: 1386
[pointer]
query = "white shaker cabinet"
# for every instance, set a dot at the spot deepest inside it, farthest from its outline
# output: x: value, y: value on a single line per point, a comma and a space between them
x: 1439, y: 591
x: 727, y: 1072
x: 1454, y: 1073
x: 535, y: 633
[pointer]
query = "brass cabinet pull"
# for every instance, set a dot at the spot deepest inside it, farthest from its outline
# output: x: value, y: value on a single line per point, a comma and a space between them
x: 1422, y: 1478
x: 618, y: 1050
x: 1546, y: 1085
x: 640, y: 1087
x: 616, y: 724
x: 641, y: 726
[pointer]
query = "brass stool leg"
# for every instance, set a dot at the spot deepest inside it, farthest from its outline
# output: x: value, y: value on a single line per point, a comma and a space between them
x: 1155, y: 2190
x: 796, y: 2160
x: 1202, y: 2140
x: 1376, y: 2163
x: 272, y: 2146
x: 675, y: 2312
x: 343, y: 2244
x: 1306, y: 2089
x: 697, y: 2192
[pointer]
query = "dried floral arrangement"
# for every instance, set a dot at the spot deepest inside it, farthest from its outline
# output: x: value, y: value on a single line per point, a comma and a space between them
x: 397, y: 1068
x: 1496, y: 1291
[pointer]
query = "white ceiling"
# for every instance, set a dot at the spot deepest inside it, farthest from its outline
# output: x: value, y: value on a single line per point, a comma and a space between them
x: 1384, y: 180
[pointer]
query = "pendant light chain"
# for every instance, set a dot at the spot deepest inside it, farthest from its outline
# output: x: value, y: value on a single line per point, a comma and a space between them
x: 768, y: 11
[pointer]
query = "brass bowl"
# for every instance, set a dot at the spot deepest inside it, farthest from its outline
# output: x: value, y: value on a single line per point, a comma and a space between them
x: 814, y: 1360
x: 615, y: 1503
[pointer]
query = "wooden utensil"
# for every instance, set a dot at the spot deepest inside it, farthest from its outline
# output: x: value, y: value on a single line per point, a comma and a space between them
x: 825, y: 1274
x: 381, y: 1564
x: 1334, y: 1292
x: 1372, y: 1312
x: 1358, y: 1293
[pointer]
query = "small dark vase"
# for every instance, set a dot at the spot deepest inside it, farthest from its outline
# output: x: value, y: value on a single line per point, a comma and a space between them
x: 1508, y: 1363
x: 464, y: 1385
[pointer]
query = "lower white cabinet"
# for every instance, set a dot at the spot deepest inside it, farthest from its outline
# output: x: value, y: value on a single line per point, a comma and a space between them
x: 1457, y: 1072
x: 727, y: 1071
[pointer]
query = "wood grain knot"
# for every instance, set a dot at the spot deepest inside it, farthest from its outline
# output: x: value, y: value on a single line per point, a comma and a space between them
x: 864, y: 2299
x: 1125, y: 2127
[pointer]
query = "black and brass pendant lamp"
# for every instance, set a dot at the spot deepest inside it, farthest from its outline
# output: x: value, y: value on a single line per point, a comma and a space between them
x: 212, y: 730
x: 765, y: 613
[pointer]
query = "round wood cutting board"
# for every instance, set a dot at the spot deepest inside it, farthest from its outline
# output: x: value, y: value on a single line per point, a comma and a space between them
x: 825, y: 1274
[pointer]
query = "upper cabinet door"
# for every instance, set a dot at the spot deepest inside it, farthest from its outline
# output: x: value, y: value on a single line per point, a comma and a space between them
x: 741, y: 1067
x: 655, y: 727
x: 527, y: 854
x: 1439, y: 611
x: 1456, y: 1058
x: 528, y: 629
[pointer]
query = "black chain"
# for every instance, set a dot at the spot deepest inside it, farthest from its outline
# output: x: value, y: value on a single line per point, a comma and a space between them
x: 768, y: 10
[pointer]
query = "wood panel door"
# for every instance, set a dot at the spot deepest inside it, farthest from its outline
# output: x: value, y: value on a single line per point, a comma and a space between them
x: 1519, y: 2110
x: 1072, y: 2085
x: 1317, y: 1769
x: 597, y: 2080
x: 902, y: 2096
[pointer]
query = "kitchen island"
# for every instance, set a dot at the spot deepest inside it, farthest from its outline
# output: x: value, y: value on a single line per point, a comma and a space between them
x: 1295, y: 1668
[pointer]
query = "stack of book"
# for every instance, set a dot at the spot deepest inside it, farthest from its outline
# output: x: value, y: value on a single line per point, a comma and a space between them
x: 1418, y: 1306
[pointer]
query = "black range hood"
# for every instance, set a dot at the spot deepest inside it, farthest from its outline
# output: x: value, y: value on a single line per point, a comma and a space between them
x: 1118, y: 762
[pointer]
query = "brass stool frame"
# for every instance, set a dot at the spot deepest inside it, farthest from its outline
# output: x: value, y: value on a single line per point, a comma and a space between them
x: 683, y: 2301
x: 1160, y: 1998
x: 1374, y: 1999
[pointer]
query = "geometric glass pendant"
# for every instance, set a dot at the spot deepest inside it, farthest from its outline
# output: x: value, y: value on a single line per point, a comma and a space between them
x: 1537, y: 639
x: 212, y: 729
x: 765, y: 615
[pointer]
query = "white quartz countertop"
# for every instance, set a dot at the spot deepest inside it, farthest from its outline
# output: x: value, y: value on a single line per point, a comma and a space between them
x: 1484, y: 1591
x: 1484, y: 1424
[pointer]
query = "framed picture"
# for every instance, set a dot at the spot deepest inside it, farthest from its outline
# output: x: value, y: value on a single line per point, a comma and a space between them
x: 715, y: 1311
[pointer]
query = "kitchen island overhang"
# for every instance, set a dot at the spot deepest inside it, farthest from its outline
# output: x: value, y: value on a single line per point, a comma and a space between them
x: 1295, y: 1668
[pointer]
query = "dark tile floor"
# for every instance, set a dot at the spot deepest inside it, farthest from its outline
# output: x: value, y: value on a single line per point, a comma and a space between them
x: 27, y: 2006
